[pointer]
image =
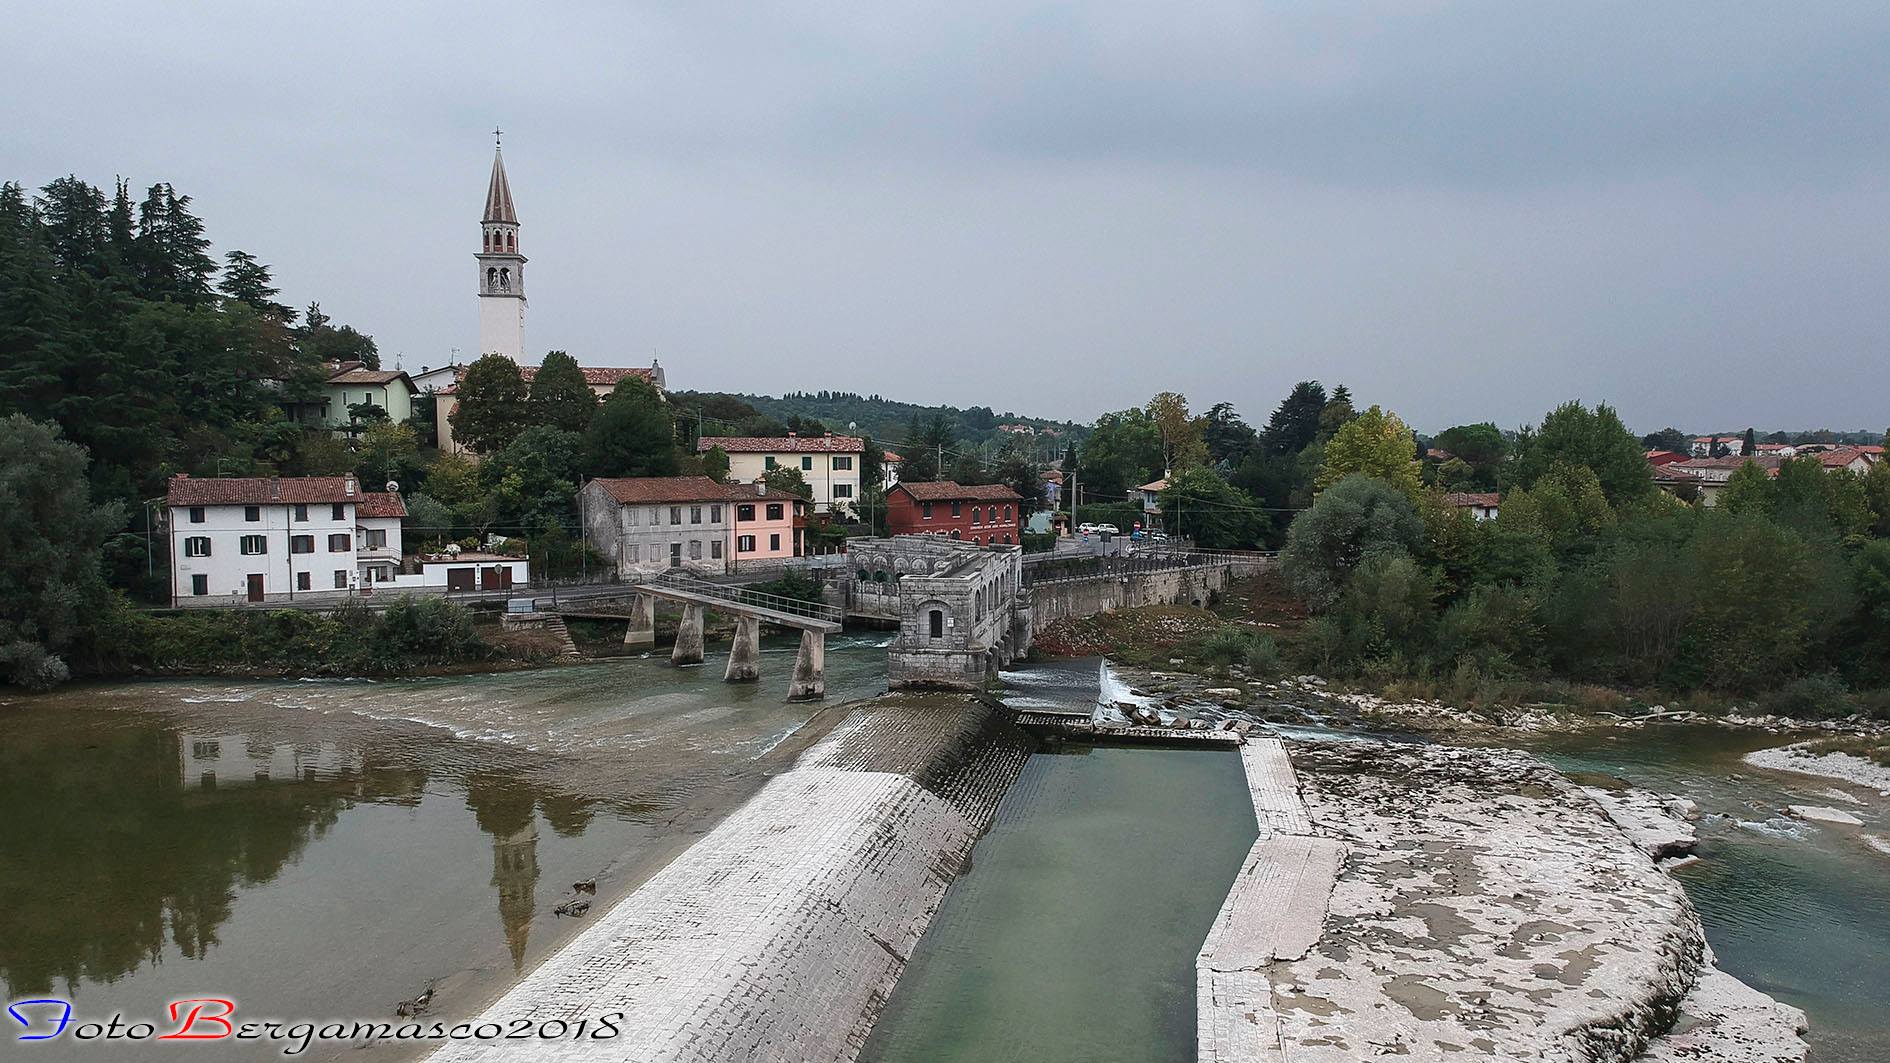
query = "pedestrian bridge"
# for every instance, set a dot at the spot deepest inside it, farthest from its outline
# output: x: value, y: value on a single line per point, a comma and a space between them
x: 637, y: 605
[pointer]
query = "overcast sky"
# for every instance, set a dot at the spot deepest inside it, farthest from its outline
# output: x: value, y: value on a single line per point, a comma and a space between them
x: 1463, y: 211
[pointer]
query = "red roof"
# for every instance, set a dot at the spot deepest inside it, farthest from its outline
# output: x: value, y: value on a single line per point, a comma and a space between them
x: 262, y: 490
x: 359, y: 375
x: 1470, y: 499
x: 633, y: 490
x: 791, y: 444
x: 595, y: 376
x: 1840, y: 457
x: 1664, y: 457
x: 380, y: 504
x: 947, y: 491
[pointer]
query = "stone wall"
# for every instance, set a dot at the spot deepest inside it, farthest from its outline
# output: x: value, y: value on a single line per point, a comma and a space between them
x: 1053, y: 600
x: 778, y: 937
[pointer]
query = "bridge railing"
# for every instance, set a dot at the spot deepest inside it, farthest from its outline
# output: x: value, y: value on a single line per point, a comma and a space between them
x: 1147, y: 561
x: 737, y: 595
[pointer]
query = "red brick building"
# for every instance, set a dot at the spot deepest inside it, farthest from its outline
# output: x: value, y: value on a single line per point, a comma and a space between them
x: 987, y: 514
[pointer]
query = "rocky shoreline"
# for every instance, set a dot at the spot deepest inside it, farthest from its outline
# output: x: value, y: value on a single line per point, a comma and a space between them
x: 1487, y: 907
x: 1804, y: 760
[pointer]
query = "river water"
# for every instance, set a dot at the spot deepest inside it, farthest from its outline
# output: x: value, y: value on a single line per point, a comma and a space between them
x: 326, y: 849
x: 1072, y: 937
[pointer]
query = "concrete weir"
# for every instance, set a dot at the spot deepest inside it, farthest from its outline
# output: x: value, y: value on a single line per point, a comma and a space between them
x: 1430, y: 903
x: 778, y: 936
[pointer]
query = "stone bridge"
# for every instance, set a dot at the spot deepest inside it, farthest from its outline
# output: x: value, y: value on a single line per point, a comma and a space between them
x: 815, y: 622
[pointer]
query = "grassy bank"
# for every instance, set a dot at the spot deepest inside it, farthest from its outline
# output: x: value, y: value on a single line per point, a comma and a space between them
x: 412, y: 636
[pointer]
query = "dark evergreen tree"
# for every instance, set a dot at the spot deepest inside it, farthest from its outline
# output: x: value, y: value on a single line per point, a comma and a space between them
x: 493, y: 405
x: 559, y: 395
x: 632, y: 434
x: 1295, y: 422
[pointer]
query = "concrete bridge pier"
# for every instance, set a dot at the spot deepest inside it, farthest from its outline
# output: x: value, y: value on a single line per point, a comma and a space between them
x: 744, y: 658
x: 688, y: 648
x: 642, y: 629
x: 810, y: 667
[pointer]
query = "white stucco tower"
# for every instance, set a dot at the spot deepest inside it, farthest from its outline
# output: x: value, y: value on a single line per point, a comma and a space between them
x: 501, y: 270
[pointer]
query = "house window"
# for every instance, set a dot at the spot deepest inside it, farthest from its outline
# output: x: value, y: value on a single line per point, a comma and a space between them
x: 958, y: 509
x: 774, y: 511
x: 197, y: 546
x: 774, y: 542
x: 695, y: 549
x: 629, y: 516
x: 341, y: 579
x: 374, y: 538
x: 254, y: 544
x: 656, y: 516
x: 955, y: 534
x: 807, y: 464
x: 335, y: 512
x: 301, y: 581
x: 252, y: 513
x: 675, y: 514
x: 745, y: 512
x: 338, y: 544
x: 936, y: 618
x: 1007, y: 513
x: 744, y: 544
x: 925, y: 511
x: 842, y: 464
x: 977, y: 515
x: 301, y: 512
x: 715, y: 514
x: 302, y: 544
x: 695, y: 514
x: 199, y: 585
x: 675, y: 555
x: 715, y: 549
x: 196, y: 514
x: 768, y: 462
x: 843, y: 490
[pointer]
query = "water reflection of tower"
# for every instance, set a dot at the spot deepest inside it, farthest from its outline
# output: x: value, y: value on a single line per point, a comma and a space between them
x: 504, y: 810
x: 515, y: 873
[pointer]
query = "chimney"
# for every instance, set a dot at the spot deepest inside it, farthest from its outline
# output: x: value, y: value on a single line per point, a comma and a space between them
x: 792, y: 433
x: 348, y: 485
x: 761, y: 487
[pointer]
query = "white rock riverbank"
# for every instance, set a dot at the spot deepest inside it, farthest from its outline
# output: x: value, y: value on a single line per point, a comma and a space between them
x: 1483, y: 907
x: 1846, y: 767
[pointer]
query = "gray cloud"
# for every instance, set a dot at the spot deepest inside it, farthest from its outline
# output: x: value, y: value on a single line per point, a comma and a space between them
x: 1464, y: 211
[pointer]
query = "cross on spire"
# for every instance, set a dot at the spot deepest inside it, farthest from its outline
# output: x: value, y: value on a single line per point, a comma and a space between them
x: 496, y: 131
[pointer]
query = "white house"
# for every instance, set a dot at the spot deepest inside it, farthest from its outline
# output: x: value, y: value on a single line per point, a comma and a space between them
x: 830, y: 464
x: 257, y: 540
x: 469, y: 571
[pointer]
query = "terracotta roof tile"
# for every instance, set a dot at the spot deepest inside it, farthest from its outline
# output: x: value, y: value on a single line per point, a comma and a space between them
x: 947, y: 491
x: 261, y: 490
x: 783, y: 444
x: 380, y: 504
x: 635, y: 490
x: 368, y: 376
x: 1467, y: 499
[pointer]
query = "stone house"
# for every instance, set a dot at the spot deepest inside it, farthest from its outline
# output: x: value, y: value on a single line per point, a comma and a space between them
x: 646, y: 525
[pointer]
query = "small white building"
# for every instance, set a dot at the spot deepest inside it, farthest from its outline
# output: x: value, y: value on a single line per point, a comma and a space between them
x: 254, y: 540
x: 470, y: 571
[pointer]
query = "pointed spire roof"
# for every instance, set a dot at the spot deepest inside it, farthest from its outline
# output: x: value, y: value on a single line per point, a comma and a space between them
x: 499, y: 193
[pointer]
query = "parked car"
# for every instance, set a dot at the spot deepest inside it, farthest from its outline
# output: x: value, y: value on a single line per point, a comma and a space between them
x: 1086, y: 528
x: 1108, y: 529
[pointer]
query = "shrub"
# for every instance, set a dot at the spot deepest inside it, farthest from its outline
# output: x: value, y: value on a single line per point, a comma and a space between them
x: 1263, y: 658
x: 1811, y: 697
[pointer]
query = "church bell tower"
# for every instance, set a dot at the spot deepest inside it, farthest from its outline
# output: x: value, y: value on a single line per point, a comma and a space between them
x: 501, y: 269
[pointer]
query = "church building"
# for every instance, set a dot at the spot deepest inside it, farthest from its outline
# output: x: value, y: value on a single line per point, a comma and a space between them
x: 501, y: 287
